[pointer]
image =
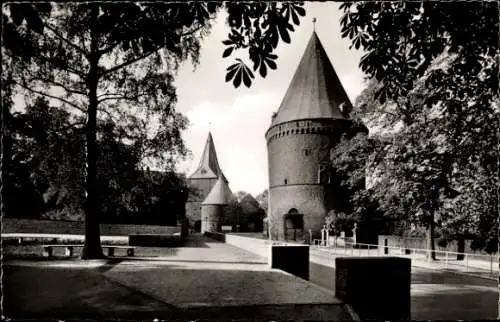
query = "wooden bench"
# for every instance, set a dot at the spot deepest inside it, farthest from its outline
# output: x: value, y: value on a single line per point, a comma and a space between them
x: 48, y: 249
x: 111, y: 249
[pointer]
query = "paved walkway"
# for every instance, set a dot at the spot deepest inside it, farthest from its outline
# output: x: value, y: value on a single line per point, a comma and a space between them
x: 204, y: 279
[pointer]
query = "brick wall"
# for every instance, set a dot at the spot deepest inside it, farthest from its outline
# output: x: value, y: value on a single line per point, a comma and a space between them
x: 309, y: 200
x: 11, y: 225
x: 295, y: 151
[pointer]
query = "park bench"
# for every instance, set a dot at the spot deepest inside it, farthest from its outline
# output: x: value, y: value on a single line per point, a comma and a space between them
x: 48, y: 249
x: 111, y: 249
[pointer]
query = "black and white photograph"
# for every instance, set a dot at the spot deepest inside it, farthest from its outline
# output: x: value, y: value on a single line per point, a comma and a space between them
x: 250, y: 160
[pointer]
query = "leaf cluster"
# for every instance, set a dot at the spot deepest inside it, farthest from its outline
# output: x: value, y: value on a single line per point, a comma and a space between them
x: 258, y: 27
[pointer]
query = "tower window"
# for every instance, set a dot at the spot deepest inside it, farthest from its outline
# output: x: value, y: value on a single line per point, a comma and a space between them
x: 285, y: 181
x: 307, y: 152
x: 324, y: 174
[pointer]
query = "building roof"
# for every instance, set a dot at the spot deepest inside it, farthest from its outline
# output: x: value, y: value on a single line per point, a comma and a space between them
x: 219, y: 195
x: 315, y: 91
x: 209, y: 165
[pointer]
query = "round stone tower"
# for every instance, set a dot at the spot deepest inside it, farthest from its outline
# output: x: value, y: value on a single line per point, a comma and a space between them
x: 212, y: 208
x: 310, y: 121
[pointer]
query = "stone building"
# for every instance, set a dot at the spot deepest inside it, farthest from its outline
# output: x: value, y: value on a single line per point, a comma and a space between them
x: 309, y: 122
x: 213, y: 207
x: 201, y: 182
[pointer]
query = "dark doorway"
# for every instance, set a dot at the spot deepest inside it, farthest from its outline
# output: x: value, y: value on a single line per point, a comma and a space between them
x: 197, y: 226
x: 294, y: 225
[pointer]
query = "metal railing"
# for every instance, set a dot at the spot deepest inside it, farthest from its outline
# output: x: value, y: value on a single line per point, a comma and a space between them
x: 467, y: 262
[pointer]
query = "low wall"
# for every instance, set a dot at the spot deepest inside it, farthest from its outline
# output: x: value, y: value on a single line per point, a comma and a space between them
x: 420, y: 243
x: 253, y: 245
x: 31, y: 226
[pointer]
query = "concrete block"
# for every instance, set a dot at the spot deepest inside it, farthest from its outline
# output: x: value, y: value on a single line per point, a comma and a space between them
x: 293, y: 259
x: 376, y: 287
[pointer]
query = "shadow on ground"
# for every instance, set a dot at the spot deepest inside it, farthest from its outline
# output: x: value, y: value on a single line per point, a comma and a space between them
x: 169, y: 291
x: 74, y: 293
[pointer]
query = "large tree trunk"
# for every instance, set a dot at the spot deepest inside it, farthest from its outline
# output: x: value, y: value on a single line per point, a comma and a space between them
x: 429, y: 236
x: 92, y: 248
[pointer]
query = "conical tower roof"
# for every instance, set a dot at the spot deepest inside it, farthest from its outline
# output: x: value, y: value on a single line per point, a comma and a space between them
x: 209, y: 165
x: 315, y: 91
x: 219, y: 195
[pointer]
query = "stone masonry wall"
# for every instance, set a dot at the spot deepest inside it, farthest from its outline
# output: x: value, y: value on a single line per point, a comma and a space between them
x: 295, y: 151
x: 193, y: 205
x: 211, y: 216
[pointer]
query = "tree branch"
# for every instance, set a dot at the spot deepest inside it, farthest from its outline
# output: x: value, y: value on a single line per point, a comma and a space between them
x: 69, y: 126
x: 192, y: 31
x: 134, y: 60
x: 81, y: 50
x: 51, y: 96
x: 128, y: 62
x: 69, y: 90
x: 67, y: 68
x: 108, y: 113
x: 117, y: 97
x: 109, y: 48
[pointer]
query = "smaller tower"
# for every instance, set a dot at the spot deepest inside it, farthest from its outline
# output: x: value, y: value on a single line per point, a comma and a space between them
x: 212, y: 208
x: 202, y: 181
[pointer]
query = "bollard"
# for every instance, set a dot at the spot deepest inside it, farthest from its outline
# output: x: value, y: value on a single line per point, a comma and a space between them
x: 378, y: 288
x: 293, y: 259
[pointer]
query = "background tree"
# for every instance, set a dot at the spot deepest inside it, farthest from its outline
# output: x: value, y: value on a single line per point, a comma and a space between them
x: 403, y: 61
x: 351, y: 165
x: 263, y: 200
x: 47, y: 170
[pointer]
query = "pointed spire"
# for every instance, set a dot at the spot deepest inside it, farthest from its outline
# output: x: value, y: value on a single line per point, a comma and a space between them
x: 209, y: 165
x: 315, y: 91
x: 219, y: 195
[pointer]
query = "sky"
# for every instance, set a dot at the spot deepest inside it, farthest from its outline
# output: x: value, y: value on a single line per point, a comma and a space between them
x: 238, y: 118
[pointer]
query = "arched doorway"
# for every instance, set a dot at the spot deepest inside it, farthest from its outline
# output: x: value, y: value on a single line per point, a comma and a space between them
x: 294, y: 225
x: 197, y: 226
